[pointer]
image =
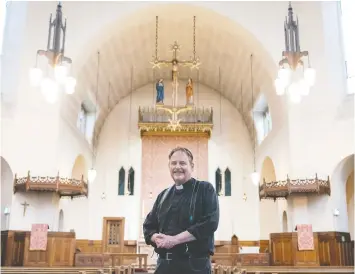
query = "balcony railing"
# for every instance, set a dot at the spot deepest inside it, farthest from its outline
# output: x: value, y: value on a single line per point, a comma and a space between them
x: 283, y: 189
x: 62, y: 186
x: 156, y: 120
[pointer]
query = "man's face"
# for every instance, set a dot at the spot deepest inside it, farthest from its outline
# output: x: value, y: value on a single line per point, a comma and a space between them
x: 180, y: 167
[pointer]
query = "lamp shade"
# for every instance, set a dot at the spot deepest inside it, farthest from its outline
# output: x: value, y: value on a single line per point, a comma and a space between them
x: 91, y: 175
x: 49, y: 89
x: 60, y: 73
x: 255, y: 178
x: 284, y: 74
x: 303, y: 87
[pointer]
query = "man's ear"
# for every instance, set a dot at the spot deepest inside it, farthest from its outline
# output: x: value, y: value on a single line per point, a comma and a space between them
x: 192, y: 165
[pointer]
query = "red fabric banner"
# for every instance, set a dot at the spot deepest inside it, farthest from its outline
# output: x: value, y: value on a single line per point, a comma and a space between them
x: 305, y: 237
x: 38, y: 240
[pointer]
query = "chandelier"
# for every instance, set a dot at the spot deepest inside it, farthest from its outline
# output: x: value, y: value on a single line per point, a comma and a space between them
x: 56, y: 76
x: 293, y: 77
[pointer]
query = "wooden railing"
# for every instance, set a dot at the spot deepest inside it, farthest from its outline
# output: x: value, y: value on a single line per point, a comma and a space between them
x: 285, y: 188
x: 61, y: 185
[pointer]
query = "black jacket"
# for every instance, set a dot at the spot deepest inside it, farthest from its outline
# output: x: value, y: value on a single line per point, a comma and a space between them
x: 201, y: 222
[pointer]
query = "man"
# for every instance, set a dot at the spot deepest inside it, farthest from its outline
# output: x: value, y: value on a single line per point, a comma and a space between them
x: 183, y: 220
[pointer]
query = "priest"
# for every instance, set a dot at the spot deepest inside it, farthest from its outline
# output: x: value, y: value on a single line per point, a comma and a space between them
x: 183, y: 220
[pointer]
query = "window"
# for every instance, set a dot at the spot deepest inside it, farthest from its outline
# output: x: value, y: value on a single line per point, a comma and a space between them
x: 227, y: 183
x: 267, y: 122
x: 121, y: 180
x: 347, y: 21
x: 83, y: 114
x: 86, y: 120
x: 218, y: 181
x: 131, y: 181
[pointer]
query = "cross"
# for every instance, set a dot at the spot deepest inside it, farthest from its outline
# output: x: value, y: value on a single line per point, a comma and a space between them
x: 193, y: 63
x: 25, y: 205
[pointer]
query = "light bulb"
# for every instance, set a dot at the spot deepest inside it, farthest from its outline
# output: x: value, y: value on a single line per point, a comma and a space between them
x: 255, y: 178
x: 70, y: 84
x: 91, y: 175
x: 279, y: 86
x: 310, y: 76
x: 35, y: 76
x: 49, y: 89
x: 284, y: 74
x: 60, y: 73
x: 303, y: 87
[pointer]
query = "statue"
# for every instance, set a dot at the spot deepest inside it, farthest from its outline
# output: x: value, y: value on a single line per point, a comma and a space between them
x: 160, y: 91
x: 189, y: 92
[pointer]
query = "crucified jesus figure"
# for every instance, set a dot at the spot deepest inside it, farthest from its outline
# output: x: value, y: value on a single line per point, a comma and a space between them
x: 175, y: 63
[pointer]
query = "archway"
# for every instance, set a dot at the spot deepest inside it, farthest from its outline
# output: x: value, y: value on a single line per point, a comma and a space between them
x: 284, y: 222
x: 269, y: 216
x: 79, y: 168
x: 6, y: 182
x: 342, y: 186
x: 350, y: 203
x: 127, y: 45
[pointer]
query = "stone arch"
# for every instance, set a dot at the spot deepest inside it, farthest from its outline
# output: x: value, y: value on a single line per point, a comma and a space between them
x: 7, y: 180
x: 342, y: 186
x: 284, y: 222
x: 268, y: 209
x: 79, y: 168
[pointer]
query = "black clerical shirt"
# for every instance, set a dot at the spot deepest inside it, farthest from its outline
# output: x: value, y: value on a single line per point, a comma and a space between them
x: 179, y: 211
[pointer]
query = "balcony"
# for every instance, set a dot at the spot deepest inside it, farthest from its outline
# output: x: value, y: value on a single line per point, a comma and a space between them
x: 191, y: 121
x: 298, y: 187
x: 60, y: 185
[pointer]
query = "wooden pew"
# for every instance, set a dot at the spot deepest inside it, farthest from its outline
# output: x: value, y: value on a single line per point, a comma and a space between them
x: 109, y: 259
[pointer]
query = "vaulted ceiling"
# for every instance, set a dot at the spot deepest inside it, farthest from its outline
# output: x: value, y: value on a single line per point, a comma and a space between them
x: 223, y: 47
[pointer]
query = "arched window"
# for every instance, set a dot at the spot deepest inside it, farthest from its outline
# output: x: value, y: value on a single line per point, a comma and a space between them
x: 121, y: 179
x: 131, y: 181
x: 218, y: 181
x: 227, y: 183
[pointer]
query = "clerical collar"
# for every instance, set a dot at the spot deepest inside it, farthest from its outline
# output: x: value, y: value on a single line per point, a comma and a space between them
x: 179, y: 187
x: 187, y: 184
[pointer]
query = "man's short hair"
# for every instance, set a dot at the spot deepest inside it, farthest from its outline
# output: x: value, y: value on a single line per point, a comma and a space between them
x: 182, y: 149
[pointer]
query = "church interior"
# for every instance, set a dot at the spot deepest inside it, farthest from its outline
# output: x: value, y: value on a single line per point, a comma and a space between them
x: 92, y: 104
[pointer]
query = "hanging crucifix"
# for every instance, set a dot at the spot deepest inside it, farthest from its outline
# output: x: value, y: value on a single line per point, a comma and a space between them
x: 174, y: 62
x: 25, y: 205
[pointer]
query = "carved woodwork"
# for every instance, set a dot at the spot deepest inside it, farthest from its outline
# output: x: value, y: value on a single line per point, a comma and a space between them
x: 194, y: 121
x: 60, y: 249
x: 283, y: 189
x: 60, y: 185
